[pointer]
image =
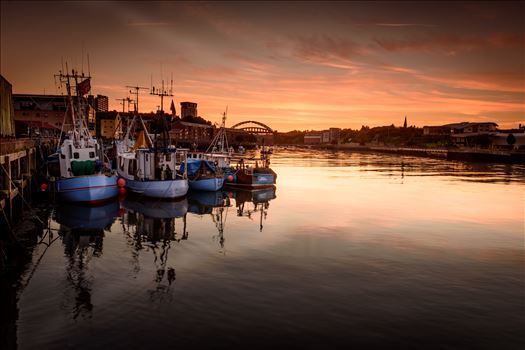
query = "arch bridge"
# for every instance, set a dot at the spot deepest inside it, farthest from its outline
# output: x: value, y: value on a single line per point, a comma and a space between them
x: 254, y: 127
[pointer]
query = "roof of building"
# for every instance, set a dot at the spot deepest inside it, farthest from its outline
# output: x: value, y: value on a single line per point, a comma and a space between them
x: 460, y: 125
x: 107, y: 115
x: 37, y: 123
x: 195, y: 125
x: 37, y: 96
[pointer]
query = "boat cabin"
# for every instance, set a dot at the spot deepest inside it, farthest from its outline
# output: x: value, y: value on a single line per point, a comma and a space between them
x: 77, y: 159
x: 147, y: 165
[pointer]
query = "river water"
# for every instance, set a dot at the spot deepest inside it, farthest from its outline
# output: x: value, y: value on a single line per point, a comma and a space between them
x: 350, y: 249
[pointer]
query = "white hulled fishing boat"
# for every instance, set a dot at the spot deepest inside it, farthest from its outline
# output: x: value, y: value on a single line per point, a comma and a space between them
x: 151, y: 170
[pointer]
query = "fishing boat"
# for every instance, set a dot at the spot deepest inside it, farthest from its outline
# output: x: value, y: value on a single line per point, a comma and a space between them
x: 204, y: 175
x: 152, y: 170
x: 218, y: 153
x: 251, y: 173
x: 77, y: 172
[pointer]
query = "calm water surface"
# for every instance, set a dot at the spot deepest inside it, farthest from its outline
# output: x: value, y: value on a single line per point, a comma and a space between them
x: 349, y: 249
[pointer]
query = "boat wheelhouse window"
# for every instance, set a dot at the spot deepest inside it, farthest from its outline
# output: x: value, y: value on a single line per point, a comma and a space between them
x: 91, y: 154
x: 62, y: 156
x: 76, y: 155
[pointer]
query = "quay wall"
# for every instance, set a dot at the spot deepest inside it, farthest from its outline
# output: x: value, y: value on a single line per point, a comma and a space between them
x: 475, y: 155
x: 20, y: 161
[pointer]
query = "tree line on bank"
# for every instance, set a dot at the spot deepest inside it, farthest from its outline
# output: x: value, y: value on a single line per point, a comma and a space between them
x: 384, y: 135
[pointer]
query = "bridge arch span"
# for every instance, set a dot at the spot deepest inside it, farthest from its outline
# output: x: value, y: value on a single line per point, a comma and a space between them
x: 263, y: 126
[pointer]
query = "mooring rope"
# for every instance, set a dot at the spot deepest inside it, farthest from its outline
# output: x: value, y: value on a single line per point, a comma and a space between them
x: 22, y: 196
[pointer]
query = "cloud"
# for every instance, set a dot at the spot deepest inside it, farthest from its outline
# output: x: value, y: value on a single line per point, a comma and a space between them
x: 150, y: 24
x: 329, y: 51
x: 404, y: 25
x: 324, y: 46
x: 453, y: 43
x: 502, y: 40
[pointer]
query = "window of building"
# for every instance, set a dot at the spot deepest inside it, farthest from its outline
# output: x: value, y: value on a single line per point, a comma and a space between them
x: 91, y: 154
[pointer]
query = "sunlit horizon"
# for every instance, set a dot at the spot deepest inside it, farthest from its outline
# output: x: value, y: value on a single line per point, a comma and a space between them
x: 291, y: 65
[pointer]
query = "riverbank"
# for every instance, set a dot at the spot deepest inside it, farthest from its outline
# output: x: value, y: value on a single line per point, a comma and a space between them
x: 464, y: 154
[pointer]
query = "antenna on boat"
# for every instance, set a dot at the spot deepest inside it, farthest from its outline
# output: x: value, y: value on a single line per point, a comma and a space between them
x: 89, y: 70
x: 82, y: 65
x: 162, y: 92
x: 136, y: 92
x: 123, y: 103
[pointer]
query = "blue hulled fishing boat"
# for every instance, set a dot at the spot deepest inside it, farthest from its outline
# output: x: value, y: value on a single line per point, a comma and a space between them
x: 77, y: 173
x: 204, y: 175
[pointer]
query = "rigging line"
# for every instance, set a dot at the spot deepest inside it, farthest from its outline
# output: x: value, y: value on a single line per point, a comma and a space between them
x: 36, y: 265
x: 21, y: 196
x: 9, y: 227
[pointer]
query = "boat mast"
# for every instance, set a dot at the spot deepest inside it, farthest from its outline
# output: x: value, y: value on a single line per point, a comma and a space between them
x: 162, y: 92
x: 220, y: 137
x: 79, y: 125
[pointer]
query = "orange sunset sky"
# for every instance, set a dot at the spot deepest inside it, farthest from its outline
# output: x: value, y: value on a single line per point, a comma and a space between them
x: 291, y: 65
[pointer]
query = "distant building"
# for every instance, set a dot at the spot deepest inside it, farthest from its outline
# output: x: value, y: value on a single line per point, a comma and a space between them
x: 36, y: 112
x: 436, y: 130
x: 466, y: 128
x: 7, y: 112
x: 188, y: 109
x: 313, y: 138
x: 335, y: 135
x: 326, y: 137
x: 191, y: 132
x: 108, y: 125
x: 332, y: 135
x: 500, y: 140
x: 101, y: 103
x: 460, y: 128
x: 472, y: 134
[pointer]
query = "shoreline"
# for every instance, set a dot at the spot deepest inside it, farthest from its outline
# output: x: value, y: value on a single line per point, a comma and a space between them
x: 475, y: 155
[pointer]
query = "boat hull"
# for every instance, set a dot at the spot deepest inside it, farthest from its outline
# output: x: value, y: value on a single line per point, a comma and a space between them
x: 245, y: 179
x: 212, y: 184
x: 159, y: 188
x: 82, y: 189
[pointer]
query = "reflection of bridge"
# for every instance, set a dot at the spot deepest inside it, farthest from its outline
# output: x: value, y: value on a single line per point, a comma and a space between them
x: 258, y: 129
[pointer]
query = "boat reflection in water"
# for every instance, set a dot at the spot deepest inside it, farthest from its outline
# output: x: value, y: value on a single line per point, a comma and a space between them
x: 82, y: 230
x: 201, y: 202
x: 260, y: 202
x: 151, y: 225
x: 80, y: 217
x: 215, y: 204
